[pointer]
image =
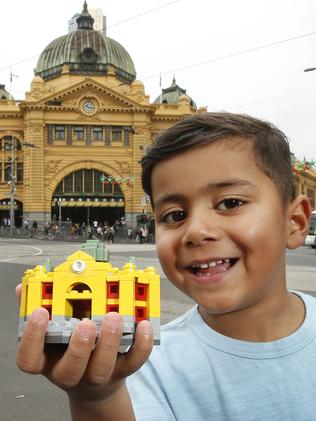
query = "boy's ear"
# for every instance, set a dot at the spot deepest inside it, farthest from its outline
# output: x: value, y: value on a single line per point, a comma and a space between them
x: 299, y: 213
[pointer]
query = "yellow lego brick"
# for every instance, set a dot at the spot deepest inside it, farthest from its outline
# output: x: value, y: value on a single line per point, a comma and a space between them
x: 80, y: 289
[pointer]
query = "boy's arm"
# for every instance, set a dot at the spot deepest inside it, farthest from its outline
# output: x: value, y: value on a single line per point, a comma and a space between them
x: 118, y: 408
x: 92, y: 375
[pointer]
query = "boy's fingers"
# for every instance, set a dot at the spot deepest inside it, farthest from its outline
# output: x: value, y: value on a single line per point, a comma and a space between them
x: 18, y: 291
x: 138, y: 354
x: 104, y: 357
x: 30, y: 356
x: 69, y: 370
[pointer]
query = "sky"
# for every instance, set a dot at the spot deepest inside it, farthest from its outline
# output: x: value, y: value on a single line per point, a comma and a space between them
x: 241, y: 56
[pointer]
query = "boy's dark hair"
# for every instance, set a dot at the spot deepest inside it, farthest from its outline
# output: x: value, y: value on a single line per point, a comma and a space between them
x: 270, y: 145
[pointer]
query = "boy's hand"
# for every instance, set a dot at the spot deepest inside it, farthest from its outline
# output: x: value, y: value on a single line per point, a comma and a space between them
x: 88, y: 372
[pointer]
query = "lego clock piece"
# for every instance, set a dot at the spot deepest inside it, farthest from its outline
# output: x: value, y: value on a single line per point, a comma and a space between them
x: 86, y: 285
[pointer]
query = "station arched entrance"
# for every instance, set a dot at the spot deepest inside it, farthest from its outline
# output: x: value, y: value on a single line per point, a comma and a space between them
x: 82, y: 196
x: 5, y: 205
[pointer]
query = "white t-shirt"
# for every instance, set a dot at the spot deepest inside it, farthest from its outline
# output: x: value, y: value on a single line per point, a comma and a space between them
x: 197, y: 374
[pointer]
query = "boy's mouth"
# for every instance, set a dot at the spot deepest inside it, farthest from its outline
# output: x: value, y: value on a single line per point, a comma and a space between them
x: 212, y: 267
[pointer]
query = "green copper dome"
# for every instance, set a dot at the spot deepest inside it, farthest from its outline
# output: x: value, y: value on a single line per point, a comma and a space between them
x: 172, y: 94
x: 4, y: 94
x: 87, y: 52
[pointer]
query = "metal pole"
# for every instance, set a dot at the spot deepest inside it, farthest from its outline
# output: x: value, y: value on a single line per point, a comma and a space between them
x: 59, y: 216
x: 12, y: 186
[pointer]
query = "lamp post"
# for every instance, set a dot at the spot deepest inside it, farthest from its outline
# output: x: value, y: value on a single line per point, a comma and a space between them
x: 12, y: 186
x: 12, y: 180
x: 59, y: 213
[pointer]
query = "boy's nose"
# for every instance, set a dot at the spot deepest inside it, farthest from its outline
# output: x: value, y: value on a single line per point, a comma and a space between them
x: 200, y: 230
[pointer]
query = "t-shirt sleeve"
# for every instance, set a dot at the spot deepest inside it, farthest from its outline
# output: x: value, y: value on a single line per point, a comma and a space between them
x: 148, y: 397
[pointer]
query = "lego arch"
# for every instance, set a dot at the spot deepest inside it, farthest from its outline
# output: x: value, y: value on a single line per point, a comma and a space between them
x: 80, y: 287
x: 78, y: 300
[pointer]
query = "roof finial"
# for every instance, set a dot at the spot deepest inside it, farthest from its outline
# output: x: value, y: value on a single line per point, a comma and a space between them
x: 85, y: 20
x: 174, y: 80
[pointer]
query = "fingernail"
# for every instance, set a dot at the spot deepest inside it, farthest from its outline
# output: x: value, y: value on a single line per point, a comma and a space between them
x: 85, y: 330
x: 39, y: 315
x: 112, y: 321
x: 146, y: 327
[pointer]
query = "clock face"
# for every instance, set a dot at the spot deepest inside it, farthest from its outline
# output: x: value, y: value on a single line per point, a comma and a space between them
x: 88, y: 107
x: 78, y: 266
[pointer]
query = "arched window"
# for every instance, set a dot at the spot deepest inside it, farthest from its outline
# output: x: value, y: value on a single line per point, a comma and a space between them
x: 87, y: 182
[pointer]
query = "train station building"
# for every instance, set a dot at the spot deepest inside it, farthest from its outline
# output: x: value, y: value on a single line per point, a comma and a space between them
x: 73, y: 145
x: 76, y: 140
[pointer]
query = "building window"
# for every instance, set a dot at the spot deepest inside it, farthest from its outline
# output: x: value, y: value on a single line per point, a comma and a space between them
x: 59, y: 132
x: 78, y: 175
x: 140, y: 314
x: 116, y: 133
x: 68, y: 183
x: 47, y: 291
x: 19, y: 172
x: 85, y: 182
x: 7, y: 171
x: 59, y: 188
x: 113, y: 290
x: 88, y: 181
x: 97, y: 133
x: 141, y: 291
x: 112, y: 307
x: 7, y: 141
x: 49, y: 309
x: 97, y: 182
x: 79, y: 133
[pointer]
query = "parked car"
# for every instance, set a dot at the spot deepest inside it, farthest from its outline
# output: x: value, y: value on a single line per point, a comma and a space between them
x: 310, y: 239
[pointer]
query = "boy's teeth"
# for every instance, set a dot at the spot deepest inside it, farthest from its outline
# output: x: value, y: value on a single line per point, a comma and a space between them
x: 211, y: 264
x: 204, y: 266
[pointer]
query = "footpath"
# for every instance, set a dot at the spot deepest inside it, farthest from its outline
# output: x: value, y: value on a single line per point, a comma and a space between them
x: 302, y: 278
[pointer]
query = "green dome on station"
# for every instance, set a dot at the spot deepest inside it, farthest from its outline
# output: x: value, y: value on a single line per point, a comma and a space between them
x: 172, y: 94
x: 4, y: 94
x: 87, y: 52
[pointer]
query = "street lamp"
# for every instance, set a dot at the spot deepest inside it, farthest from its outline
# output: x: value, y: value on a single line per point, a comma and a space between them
x: 12, y: 179
x: 59, y: 214
x: 12, y: 186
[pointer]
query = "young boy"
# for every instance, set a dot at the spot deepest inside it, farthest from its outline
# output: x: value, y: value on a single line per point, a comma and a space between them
x: 223, y: 195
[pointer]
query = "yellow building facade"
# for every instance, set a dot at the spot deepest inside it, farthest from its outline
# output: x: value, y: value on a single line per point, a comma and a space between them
x: 86, y: 285
x: 73, y: 145
x: 85, y: 119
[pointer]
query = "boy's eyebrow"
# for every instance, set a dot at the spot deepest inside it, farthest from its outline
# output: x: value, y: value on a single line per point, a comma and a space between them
x: 178, y: 197
x: 167, y: 198
x: 231, y: 182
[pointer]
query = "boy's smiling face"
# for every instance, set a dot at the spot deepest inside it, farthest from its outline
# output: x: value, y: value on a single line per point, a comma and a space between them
x: 221, y: 229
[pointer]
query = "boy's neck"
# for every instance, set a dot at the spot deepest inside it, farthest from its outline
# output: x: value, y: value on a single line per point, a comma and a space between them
x: 260, y: 323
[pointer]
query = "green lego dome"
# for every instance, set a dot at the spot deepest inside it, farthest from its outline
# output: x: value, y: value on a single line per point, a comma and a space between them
x: 172, y: 94
x: 85, y: 51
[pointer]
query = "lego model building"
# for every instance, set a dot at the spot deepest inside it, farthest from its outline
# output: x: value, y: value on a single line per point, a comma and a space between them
x: 86, y: 285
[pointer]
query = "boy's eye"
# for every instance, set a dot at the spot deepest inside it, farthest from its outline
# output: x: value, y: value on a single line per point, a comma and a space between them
x: 230, y: 203
x: 173, y: 217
